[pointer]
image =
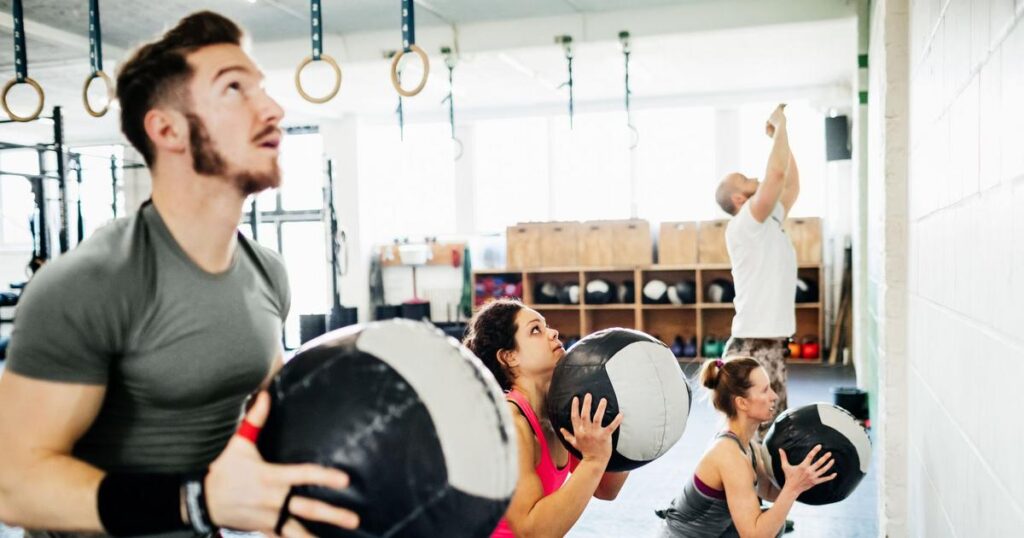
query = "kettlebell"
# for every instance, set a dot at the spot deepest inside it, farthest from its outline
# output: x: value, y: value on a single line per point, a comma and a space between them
x: 712, y: 347
x: 677, y: 346
x: 794, y: 349
x: 811, y: 349
x: 690, y: 349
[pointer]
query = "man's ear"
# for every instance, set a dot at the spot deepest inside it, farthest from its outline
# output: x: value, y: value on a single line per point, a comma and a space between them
x: 167, y: 130
x: 738, y: 199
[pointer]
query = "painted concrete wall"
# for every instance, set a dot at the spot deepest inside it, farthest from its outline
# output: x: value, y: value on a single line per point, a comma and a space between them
x: 965, y: 284
x: 884, y: 311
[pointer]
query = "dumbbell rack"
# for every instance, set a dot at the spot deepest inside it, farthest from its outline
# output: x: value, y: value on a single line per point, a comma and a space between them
x: 664, y: 321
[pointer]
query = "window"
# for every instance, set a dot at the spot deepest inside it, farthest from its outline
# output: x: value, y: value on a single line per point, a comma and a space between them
x: 590, y: 177
x: 406, y: 188
x: 806, y: 139
x: 676, y: 164
x: 97, y: 189
x: 291, y: 222
x: 510, y: 170
x: 17, y: 200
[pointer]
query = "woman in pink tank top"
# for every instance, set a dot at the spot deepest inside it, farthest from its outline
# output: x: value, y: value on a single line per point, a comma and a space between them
x: 518, y: 347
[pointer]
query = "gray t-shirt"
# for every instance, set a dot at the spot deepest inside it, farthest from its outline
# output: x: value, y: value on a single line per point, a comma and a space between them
x: 177, y: 348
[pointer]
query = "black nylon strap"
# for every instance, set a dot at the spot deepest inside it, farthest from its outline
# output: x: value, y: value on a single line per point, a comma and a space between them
x: 566, y: 42
x: 401, y: 120
x: 20, y: 53
x: 451, y: 92
x: 408, y: 25
x: 316, y: 29
x: 95, y: 37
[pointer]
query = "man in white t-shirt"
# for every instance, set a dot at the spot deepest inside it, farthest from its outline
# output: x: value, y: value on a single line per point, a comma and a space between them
x: 763, y: 259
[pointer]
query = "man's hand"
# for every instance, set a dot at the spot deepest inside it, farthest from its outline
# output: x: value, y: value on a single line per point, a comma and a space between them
x: 777, y: 119
x: 246, y: 493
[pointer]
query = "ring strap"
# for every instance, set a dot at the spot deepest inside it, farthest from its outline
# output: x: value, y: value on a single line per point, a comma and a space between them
x: 408, y: 25
x: 20, y: 53
x: 316, y: 28
x: 95, y: 37
x: 450, y: 62
x: 401, y: 119
x: 566, y: 42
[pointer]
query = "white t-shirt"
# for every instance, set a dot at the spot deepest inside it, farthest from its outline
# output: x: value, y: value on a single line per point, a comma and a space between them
x: 764, y: 272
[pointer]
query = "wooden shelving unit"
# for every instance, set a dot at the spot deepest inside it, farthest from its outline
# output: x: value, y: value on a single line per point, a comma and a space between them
x: 665, y: 321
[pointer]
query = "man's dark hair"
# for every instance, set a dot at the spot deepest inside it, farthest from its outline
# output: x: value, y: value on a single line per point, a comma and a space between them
x: 158, y: 71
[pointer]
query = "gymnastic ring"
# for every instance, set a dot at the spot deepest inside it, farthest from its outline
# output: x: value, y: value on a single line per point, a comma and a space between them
x: 7, y: 88
x: 337, y: 79
x: 394, y: 71
x: 110, y: 94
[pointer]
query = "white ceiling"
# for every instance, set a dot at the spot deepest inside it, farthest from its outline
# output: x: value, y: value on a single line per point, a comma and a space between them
x: 508, y: 62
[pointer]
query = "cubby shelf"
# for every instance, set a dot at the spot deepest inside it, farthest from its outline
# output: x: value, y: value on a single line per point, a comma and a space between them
x: 665, y: 321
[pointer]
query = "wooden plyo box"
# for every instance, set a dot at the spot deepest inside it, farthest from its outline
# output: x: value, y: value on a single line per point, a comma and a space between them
x: 559, y: 244
x: 806, y: 236
x: 596, y: 244
x: 677, y: 243
x: 632, y: 243
x: 523, y: 246
x: 711, y: 238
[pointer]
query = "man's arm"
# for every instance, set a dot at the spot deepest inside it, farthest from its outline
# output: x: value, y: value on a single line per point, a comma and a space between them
x: 769, y: 192
x: 792, y: 189
x: 41, y: 484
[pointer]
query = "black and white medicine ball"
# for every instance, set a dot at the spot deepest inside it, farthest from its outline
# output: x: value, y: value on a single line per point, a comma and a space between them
x: 655, y: 292
x: 684, y: 292
x: 806, y: 290
x: 546, y: 293
x: 799, y: 430
x: 600, y: 291
x: 720, y: 291
x: 640, y: 377
x: 418, y: 423
x: 627, y: 292
x: 569, y: 294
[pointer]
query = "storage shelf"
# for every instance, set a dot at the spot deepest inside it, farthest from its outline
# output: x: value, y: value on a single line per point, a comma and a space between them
x: 663, y: 320
x: 694, y: 360
x: 687, y: 267
x: 497, y: 272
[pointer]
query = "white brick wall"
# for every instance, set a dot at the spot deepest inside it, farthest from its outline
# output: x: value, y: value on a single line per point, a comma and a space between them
x: 893, y: 43
x: 965, y: 272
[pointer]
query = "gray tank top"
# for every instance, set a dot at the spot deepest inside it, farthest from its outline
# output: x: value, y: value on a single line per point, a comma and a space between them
x: 702, y: 512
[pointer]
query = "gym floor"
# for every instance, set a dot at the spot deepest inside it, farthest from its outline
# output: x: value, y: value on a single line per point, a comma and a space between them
x: 654, y: 486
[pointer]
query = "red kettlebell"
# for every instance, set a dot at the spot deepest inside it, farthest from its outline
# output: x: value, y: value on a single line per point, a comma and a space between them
x: 811, y: 349
x: 794, y: 349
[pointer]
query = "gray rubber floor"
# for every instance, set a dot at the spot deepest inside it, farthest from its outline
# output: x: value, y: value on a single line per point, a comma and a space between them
x: 654, y: 485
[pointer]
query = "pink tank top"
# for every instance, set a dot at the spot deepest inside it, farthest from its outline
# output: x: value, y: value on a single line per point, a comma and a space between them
x: 551, y: 477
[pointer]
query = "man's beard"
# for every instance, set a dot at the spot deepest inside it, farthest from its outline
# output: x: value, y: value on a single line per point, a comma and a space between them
x: 207, y: 160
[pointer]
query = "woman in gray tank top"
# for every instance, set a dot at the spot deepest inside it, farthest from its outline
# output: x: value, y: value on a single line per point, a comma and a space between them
x: 724, y: 496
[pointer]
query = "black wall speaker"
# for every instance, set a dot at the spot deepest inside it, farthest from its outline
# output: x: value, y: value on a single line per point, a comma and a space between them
x: 837, y: 138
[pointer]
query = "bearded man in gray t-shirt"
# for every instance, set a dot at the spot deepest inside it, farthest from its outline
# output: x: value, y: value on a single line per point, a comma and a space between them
x: 132, y: 355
